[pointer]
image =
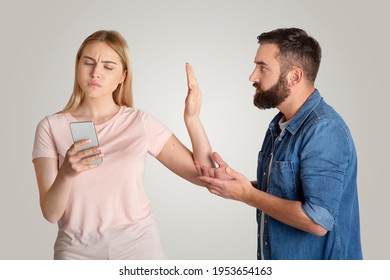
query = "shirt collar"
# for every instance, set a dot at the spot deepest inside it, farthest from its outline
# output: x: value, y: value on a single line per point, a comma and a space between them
x: 296, y: 122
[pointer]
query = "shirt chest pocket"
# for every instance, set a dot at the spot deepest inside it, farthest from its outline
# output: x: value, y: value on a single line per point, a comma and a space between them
x: 283, y: 180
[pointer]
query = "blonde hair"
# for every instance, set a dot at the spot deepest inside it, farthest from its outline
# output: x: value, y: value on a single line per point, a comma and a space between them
x: 123, y: 94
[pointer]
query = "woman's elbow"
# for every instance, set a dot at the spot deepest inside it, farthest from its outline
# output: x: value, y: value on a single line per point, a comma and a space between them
x: 50, y: 219
x: 50, y: 216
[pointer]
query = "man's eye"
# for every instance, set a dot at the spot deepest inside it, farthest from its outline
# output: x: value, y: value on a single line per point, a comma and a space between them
x: 108, y: 67
x: 263, y: 69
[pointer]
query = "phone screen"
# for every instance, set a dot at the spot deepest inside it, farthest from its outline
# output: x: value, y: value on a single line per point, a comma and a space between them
x: 86, y: 130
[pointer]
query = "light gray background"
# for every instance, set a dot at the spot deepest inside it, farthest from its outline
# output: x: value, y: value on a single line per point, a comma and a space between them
x: 38, y: 46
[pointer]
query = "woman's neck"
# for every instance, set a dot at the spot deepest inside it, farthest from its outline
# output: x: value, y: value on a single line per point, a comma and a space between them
x: 96, y: 110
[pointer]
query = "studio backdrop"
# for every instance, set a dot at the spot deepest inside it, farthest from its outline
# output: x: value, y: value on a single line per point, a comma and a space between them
x: 219, y: 38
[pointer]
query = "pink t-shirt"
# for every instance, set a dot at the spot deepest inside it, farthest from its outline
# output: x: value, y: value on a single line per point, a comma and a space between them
x: 112, y: 195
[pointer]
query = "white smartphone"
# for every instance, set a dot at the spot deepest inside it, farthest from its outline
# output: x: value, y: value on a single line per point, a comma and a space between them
x: 83, y: 131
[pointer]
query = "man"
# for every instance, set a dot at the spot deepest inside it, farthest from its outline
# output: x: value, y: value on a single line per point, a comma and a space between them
x: 306, y: 191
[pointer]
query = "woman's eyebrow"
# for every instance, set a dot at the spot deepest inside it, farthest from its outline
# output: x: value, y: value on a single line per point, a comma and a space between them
x: 103, y: 61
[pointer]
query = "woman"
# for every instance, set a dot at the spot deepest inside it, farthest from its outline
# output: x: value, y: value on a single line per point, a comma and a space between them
x: 102, y: 210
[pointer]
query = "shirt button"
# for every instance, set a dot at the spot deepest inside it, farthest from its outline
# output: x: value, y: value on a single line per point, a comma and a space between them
x: 266, y: 243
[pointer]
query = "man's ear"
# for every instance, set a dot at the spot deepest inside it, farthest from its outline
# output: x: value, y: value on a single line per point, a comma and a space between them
x: 295, y: 76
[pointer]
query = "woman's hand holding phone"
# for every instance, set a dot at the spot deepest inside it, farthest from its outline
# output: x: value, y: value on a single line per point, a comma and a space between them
x: 85, y: 152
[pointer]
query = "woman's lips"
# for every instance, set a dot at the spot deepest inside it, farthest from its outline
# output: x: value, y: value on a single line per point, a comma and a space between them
x: 94, y: 84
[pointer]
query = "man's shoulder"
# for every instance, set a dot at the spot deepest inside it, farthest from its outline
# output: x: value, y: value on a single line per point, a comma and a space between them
x: 325, y: 113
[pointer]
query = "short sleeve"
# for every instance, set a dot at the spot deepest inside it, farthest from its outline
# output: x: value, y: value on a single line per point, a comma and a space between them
x: 157, y: 133
x: 44, y: 145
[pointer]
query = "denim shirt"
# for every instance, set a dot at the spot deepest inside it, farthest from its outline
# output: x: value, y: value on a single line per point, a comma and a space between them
x: 313, y: 161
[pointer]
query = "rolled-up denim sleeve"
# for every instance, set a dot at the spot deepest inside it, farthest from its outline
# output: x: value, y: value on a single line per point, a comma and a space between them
x: 325, y: 157
x: 319, y: 215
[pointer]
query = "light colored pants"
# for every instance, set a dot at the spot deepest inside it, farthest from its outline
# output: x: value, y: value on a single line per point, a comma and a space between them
x: 139, y: 242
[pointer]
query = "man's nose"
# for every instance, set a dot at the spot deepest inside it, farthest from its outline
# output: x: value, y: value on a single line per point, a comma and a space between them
x: 254, y: 77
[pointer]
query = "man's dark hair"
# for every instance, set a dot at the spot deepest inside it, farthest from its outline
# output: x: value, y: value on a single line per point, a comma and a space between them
x: 296, y: 48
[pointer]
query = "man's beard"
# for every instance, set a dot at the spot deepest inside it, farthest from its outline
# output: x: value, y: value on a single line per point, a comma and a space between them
x: 272, y: 97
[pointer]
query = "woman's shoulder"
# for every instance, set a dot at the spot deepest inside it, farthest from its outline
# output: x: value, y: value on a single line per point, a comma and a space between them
x: 55, y: 119
x: 131, y: 110
x: 133, y: 113
x: 138, y: 115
